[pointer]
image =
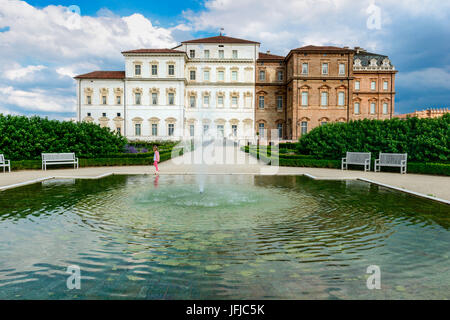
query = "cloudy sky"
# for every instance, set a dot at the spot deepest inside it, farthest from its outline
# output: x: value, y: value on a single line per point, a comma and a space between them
x: 43, y: 44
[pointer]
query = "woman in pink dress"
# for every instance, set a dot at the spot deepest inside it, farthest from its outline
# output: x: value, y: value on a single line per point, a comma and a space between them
x: 156, y: 158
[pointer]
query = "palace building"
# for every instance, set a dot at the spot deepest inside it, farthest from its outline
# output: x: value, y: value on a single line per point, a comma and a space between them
x: 224, y: 86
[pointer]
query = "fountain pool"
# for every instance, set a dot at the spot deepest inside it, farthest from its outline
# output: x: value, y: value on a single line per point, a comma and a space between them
x: 244, y: 237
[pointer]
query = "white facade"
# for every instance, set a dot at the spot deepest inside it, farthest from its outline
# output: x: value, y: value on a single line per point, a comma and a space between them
x: 197, y: 89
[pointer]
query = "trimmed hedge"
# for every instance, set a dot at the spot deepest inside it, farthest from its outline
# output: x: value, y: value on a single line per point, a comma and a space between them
x: 26, y: 138
x: 308, y: 161
x: 97, y: 162
x: 425, y: 140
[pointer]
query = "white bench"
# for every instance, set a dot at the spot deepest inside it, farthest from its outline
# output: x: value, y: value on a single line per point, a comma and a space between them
x: 5, y: 163
x: 58, y: 158
x: 358, y: 158
x: 391, y: 160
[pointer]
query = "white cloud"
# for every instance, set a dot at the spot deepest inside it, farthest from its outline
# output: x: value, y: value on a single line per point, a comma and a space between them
x: 37, y: 100
x: 429, y: 78
x: 54, y: 33
x: 47, y: 46
x: 18, y: 72
x: 281, y: 25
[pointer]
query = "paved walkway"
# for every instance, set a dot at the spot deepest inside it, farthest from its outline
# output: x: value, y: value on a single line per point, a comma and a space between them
x: 237, y: 162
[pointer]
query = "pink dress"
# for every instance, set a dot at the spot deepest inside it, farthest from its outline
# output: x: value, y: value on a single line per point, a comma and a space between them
x: 156, y: 160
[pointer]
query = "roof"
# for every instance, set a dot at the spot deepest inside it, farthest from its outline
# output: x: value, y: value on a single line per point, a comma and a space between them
x: 321, y: 48
x: 365, y: 58
x: 165, y: 50
x: 220, y: 39
x: 268, y: 56
x: 102, y: 75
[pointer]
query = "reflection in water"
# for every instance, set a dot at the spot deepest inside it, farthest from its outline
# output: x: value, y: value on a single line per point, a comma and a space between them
x: 243, y: 237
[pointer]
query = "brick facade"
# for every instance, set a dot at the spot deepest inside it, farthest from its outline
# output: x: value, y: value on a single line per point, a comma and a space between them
x: 323, y: 85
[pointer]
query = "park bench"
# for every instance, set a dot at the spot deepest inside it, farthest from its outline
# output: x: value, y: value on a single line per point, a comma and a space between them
x: 58, y: 158
x: 358, y: 158
x: 5, y: 163
x: 391, y: 160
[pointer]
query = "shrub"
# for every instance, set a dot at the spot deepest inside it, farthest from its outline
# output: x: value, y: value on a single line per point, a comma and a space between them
x: 24, y: 138
x: 425, y: 140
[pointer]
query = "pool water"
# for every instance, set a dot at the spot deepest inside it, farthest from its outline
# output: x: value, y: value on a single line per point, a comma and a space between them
x: 244, y: 237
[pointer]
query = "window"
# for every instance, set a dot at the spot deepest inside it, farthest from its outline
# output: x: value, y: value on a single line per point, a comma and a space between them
x: 261, y: 102
x: 206, y: 75
x: 118, y: 114
x: 137, y: 96
x: 205, y: 129
x: 357, y: 85
x: 192, y: 54
x: 280, y: 130
x: 206, y: 101
x: 154, y: 70
x: 341, y: 98
x: 304, y: 127
x: 305, y: 68
x: 119, y: 130
x: 221, y: 54
x: 154, y: 98
x: 171, y: 70
x: 191, y: 130
x: 220, y: 101
x: 137, y: 129
x: 357, y: 108
x: 220, y: 130
x: 372, y: 108
x: 324, y: 68
x: 323, y: 123
x: 89, y: 100
x: 324, y: 99
x: 261, y: 130
x: 206, y: 54
x: 192, y: 101
x: 385, y: 108
x: 280, y: 75
x: 221, y: 75
x: 171, y: 98
x: 373, y: 85
x: 171, y: 129
x: 103, y: 99
x: 234, y: 101
x: 118, y: 100
x: 137, y: 69
x: 234, y: 130
x: 88, y: 114
x: 341, y: 69
x: 235, y: 54
x: 154, y: 129
x: 104, y: 114
x: 234, y: 75
x: 304, y: 98
x: 385, y: 85
x: 262, y: 75
x: 279, y: 102
x: 192, y: 75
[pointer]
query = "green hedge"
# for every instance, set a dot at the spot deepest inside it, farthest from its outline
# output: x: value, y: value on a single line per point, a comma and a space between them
x: 307, y: 161
x: 97, y: 162
x: 425, y: 140
x: 26, y: 138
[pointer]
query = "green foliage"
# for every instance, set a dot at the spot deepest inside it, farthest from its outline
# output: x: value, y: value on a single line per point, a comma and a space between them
x: 311, y: 162
x: 24, y: 138
x: 425, y: 140
x: 110, y: 160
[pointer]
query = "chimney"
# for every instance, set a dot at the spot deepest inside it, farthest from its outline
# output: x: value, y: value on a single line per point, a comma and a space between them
x: 268, y: 52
